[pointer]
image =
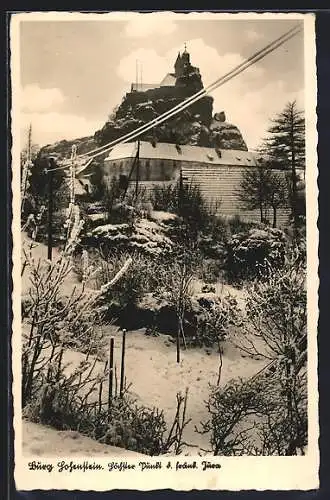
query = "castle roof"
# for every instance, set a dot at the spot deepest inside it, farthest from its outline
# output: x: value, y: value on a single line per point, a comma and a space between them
x: 142, y: 87
x: 166, y: 151
x: 168, y: 81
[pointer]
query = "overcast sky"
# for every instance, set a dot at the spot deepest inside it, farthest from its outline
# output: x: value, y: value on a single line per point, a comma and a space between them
x: 73, y: 73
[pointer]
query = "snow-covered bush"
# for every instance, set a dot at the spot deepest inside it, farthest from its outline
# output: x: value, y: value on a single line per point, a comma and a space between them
x: 250, y: 253
x: 213, y: 316
x: 267, y: 414
x: 141, y: 278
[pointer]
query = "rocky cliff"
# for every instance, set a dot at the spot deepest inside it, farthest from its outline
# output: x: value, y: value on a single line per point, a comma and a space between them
x: 196, y: 125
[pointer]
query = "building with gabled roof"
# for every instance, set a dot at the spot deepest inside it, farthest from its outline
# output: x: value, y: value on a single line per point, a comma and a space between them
x: 183, y: 153
x: 218, y: 172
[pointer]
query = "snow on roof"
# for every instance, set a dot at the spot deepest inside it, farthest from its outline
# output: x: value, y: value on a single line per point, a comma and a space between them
x: 165, y: 151
x: 141, y: 87
x: 169, y: 80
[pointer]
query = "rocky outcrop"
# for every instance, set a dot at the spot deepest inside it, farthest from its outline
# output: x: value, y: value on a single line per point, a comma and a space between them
x: 195, y: 125
x: 224, y: 135
x: 63, y: 148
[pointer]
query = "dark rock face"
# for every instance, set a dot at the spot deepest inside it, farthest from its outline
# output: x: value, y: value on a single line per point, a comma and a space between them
x: 224, y: 135
x: 220, y: 117
x: 194, y: 125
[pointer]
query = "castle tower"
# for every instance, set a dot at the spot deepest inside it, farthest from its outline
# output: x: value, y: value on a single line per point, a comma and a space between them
x: 182, y: 63
x: 178, y: 66
x: 185, y: 58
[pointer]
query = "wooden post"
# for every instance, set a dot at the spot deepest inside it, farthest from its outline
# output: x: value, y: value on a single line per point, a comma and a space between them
x: 50, y: 208
x: 122, y: 371
x: 137, y: 170
x: 180, y: 191
x: 112, y: 340
x: 178, y: 343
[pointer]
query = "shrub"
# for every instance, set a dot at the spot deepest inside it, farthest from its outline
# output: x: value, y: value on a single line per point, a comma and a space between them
x: 141, y: 278
x: 213, y: 316
x: 276, y: 312
x: 267, y: 414
x: 165, y: 197
x: 228, y: 425
x: 124, y: 423
x: 237, y: 225
x: 249, y: 417
x: 249, y: 253
x: 65, y: 397
x: 185, y: 200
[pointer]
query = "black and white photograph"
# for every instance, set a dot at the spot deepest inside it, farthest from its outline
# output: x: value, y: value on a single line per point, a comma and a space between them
x: 165, y: 265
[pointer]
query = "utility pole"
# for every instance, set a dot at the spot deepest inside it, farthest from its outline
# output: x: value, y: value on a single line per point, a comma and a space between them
x: 73, y: 173
x: 50, y: 207
x: 180, y: 191
x: 136, y: 75
x: 137, y: 170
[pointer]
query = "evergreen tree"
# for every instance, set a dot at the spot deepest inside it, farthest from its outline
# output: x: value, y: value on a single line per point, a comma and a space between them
x: 284, y: 148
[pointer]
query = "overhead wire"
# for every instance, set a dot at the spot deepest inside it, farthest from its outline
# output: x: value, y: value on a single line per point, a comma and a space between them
x: 192, y: 99
x: 198, y: 95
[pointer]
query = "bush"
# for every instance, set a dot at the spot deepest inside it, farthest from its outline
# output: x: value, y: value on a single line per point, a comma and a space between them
x: 213, y: 318
x: 276, y: 312
x: 249, y: 417
x: 124, y: 424
x: 53, y: 393
x: 186, y: 201
x: 249, y: 253
x: 229, y: 408
x: 165, y: 198
x: 141, y: 278
x: 267, y: 414
x: 237, y: 225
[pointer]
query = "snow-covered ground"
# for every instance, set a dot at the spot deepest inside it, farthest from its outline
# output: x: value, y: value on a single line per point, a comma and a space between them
x: 43, y: 441
x: 156, y: 378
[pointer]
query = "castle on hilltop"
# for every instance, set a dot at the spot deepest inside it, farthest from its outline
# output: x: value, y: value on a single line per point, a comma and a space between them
x: 196, y: 145
x: 185, y: 76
